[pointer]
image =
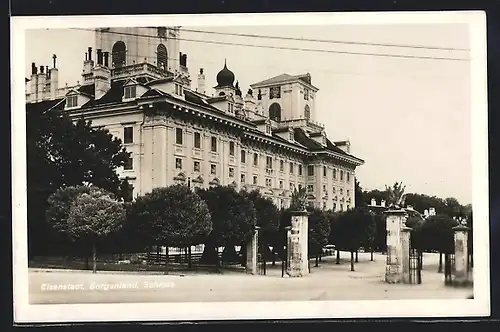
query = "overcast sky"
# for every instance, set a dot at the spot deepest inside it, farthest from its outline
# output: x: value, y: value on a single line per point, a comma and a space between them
x: 408, y: 118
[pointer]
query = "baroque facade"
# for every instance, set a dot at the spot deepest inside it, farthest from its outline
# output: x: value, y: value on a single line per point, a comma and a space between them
x: 139, y: 88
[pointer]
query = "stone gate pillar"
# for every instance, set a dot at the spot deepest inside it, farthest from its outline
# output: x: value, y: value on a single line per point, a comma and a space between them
x: 461, y: 271
x: 395, y: 220
x: 405, y: 250
x: 252, y: 248
x: 297, y: 245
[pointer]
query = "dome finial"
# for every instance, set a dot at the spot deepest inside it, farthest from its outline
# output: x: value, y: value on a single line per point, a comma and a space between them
x: 225, y: 63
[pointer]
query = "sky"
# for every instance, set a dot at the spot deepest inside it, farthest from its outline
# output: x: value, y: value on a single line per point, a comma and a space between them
x: 407, y: 118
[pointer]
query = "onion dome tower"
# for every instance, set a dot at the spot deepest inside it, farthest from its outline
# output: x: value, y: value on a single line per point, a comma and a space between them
x: 225, y: 80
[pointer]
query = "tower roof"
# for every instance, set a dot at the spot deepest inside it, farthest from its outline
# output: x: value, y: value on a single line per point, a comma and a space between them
x: 225, y: 77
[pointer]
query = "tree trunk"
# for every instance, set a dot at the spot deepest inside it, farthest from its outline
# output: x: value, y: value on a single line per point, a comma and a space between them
x: 317, y: 260
x: 357, y: 257
x: 274, y: 255
x: 209, y: 255
x: 166, y: 260
x: 94, y: 260
x: 87, y: 265
x: 338, y: 257
x: 352, y: 260
x: 189, y: 257
x: 148, y: 254
x: 157, y: 254
x: 320, y: 255
x: 440, y: 268
x: 371, y: 255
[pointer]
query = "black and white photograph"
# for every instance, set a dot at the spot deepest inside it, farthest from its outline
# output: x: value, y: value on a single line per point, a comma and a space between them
x: 262, y: 166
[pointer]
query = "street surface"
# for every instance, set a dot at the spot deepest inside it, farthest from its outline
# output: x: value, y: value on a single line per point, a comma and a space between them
x: 328, y: 282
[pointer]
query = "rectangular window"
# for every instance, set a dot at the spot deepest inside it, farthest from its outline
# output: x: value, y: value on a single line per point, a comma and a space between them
x: 231, y: 172
x: 196, y: 166
x: 129, y: 164
x: 306, y: 94
x: 334, y: 173
x: 178, y: 163
x: 324, y: 188
x: 213, y: 169
x: 269, y: 162
x: 255, y: 179
x: 341, y: 191
x: 275, y: 92
x: 310, y: 170
x: 268, y: 182
x: 282, y: 166
x: 243, y: 156
x: 281, y: 184
x: 300, y: 187
x: 310, y: 188
x: 348, y: 176
x: 128, y: 135
x: 334, y: 206
x: 242, y: 178
x: 292, y: 186
x: 341, y: 207
x: 300, y: 169
x: 231, y: 148
x: 291, y: 168
x: 197, y: 140
x: 178, y: 136
x: 214, y: 144
x: 333, y: 190
x: 341, y: 175
x: 71, y: 101
x: 347, y: 192
x: 324, y: 170
x: 255, y: 159
x: 129, y: 92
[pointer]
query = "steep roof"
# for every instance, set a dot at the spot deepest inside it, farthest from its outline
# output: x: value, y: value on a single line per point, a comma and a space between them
x: 45, y: 105
x: 88, y: 90
x: 114, y: 95
x: 306, y: 78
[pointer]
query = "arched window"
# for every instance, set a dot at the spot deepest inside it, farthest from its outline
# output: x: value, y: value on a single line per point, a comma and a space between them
x: 275, y: 112
x: 307, y: 112
x: 118, y: 54
x: 161, y: 56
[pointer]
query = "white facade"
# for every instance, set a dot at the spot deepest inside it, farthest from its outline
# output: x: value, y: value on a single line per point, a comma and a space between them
x: 177, y: 135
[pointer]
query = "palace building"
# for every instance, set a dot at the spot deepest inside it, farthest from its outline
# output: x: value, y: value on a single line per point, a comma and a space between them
x: 138, y: 86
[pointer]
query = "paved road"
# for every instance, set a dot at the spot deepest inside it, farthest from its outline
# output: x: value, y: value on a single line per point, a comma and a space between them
x: 325, y: 283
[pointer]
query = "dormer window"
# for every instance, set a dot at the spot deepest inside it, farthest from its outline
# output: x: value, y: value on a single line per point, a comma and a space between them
x: 268, y: 129
x: 72, y: 101
x: 129, y: 92
x: 291, y: 136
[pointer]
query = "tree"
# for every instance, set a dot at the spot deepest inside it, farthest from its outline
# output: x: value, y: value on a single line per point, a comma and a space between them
x: 319, y: 231
x: 371, y: 234
x: 298, y: 200
x: 436, y: 234
x: 93, y: 215
x: 61, y: 153
x: 171, y: 216
x: 376, y: 194
x: 351, y: 230
x: 267, y: 218
x: 57, y: 214
x: 233, y: 219
x: 359, y: 199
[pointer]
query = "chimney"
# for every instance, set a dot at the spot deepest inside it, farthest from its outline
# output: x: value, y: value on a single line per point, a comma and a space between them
x: 201, y: 82
x: 382, y: 203
x: 47, y: 71
x: 373, y: 202
x: 106, y: 59
x: 54, y: 57
x: 99, y: 57
x: 54, y: 82
x: 432, y: 211
x: 426, y: 212
x: 88, y: 64
x: 102, y: 77
x: 184, y: 60
x: 42, y: 79
x: 34, y: 83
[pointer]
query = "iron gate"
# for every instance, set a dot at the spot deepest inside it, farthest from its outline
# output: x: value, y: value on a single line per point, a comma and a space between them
x: 284, y: 252
x: 415, y: 269
x: 449, y: 267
